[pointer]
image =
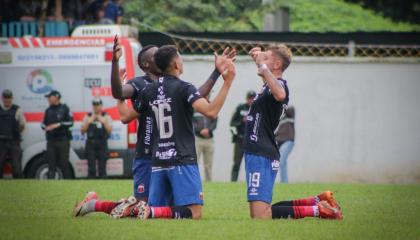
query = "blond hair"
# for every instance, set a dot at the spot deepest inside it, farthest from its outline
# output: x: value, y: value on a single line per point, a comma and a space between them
x: 283, y: 53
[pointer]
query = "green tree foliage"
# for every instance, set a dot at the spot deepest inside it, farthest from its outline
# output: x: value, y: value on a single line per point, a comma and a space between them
x: 247, y: 15
x: 204, y: 15
x: 407, y: 10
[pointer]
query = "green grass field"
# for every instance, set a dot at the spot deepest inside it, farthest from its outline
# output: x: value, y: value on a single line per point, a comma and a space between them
x: 42, y: 210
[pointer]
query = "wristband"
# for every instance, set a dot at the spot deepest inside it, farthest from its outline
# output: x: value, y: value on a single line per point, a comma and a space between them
x: 215, y: 75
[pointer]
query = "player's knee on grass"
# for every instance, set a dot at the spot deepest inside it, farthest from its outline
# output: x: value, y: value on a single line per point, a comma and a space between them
x: 196, y: 211
x: 260, y: 210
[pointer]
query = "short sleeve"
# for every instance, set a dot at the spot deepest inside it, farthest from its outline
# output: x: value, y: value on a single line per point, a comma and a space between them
x: 192, y: 94
x: 140, y: 104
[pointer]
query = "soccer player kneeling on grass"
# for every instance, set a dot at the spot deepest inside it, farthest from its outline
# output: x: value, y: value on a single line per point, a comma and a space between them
x: 261, y: 155
x: 175, y: 186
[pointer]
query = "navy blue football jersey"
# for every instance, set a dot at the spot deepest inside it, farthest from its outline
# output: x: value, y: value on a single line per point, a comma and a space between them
x: 170, y: 99
x: 145, y: 121
x: 262, y: 120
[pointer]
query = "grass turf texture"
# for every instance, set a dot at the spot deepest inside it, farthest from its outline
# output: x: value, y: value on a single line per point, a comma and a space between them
x: 42, y: 210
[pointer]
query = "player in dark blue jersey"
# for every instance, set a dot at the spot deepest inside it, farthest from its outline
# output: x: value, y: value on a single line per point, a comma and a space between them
x: 261, y: 154
x: 142, y: 161
x: 175, y: 176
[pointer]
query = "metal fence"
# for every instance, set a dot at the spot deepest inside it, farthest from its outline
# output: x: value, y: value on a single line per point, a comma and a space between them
x: 208, y: 46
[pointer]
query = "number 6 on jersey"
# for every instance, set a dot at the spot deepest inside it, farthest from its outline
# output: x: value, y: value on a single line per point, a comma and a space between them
x: 164, y: 123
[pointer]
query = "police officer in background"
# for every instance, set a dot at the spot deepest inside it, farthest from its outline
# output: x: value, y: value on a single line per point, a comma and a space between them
x: 98, y: 126
x: 12, y: 123
x: 56, y: 124
x: 237, y: 125
x: 204, y: 143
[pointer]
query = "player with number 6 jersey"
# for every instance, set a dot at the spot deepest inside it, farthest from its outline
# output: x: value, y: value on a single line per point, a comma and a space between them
x: 175, y: 175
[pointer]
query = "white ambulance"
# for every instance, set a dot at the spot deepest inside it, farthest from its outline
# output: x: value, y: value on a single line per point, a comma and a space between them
x: 80, y: 68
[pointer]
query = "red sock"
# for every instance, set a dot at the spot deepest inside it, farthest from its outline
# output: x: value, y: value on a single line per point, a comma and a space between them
x: 105, y: 206
x: 304, y: 211
x: 311, y: 201
x: 161, y: 212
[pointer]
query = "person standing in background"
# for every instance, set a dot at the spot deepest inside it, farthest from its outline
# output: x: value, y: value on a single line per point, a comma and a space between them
x: 203, y: 130
x: 12, y: 123
x: 98, y: 126
x: 237, y: 125
x: 56, y: 124
x: 285, y: 138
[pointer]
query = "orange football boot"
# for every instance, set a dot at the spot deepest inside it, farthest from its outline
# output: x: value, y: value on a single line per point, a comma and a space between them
x: 327, y: 211
x: 328, y: 196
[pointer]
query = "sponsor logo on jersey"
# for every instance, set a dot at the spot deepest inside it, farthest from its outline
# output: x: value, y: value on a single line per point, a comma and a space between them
x: 254, y: 134
x: 160, y: 101
x: 140, y: 188
x: 166, y: 154
x: 275, y: 165
x: 253, y: 192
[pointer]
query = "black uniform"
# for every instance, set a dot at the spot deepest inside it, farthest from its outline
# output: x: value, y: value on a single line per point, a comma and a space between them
x: 96, y: 147
x: 237, y: 122
x: 171, y: 101
x: 58, y: 140
x: 263, y: 118
x: 10, y: 140
x: 145, y: 121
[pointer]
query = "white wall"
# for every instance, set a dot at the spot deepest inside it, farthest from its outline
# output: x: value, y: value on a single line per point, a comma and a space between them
x: 356, y: 120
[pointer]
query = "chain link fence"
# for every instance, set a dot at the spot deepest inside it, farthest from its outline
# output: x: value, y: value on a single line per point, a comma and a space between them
x: 208, y: 46
x: 198, y: 45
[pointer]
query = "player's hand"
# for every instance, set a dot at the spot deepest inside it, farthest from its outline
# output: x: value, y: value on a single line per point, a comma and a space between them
x: 254, y: 52
x: 220, y: 60
x: 117, y: 52
x: 260, y: 58
x: 205, y: 132
x: 229, y: 73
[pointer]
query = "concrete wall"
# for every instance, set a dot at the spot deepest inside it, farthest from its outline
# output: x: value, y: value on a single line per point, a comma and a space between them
x: 356, y: 120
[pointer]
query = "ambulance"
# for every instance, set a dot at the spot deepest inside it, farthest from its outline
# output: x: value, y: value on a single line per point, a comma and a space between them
x: 79, y: 67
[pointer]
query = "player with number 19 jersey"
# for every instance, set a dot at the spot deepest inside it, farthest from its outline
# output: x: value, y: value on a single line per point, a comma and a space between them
x: 175, y: 175
x: 261, y: 154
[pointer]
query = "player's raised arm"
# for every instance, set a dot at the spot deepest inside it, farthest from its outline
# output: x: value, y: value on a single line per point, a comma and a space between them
x: 261, y: 59
x: 219, y: 62
x: 212, y: 109
x: 127, y: 114
x: 119, y: 91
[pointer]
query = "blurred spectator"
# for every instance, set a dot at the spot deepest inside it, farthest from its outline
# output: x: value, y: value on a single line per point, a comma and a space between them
x: 99, y: 17
x: 29, y: 10
x: 71, y: 10
x: 12, y: 123
x: 238, y: 131
x: 111, y: 11
x: 285, y: 137
x: 6, y: 15
x: 98, y: 126
x: 204, y: 143
x: 56, y: 124
x: 120, y: 10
